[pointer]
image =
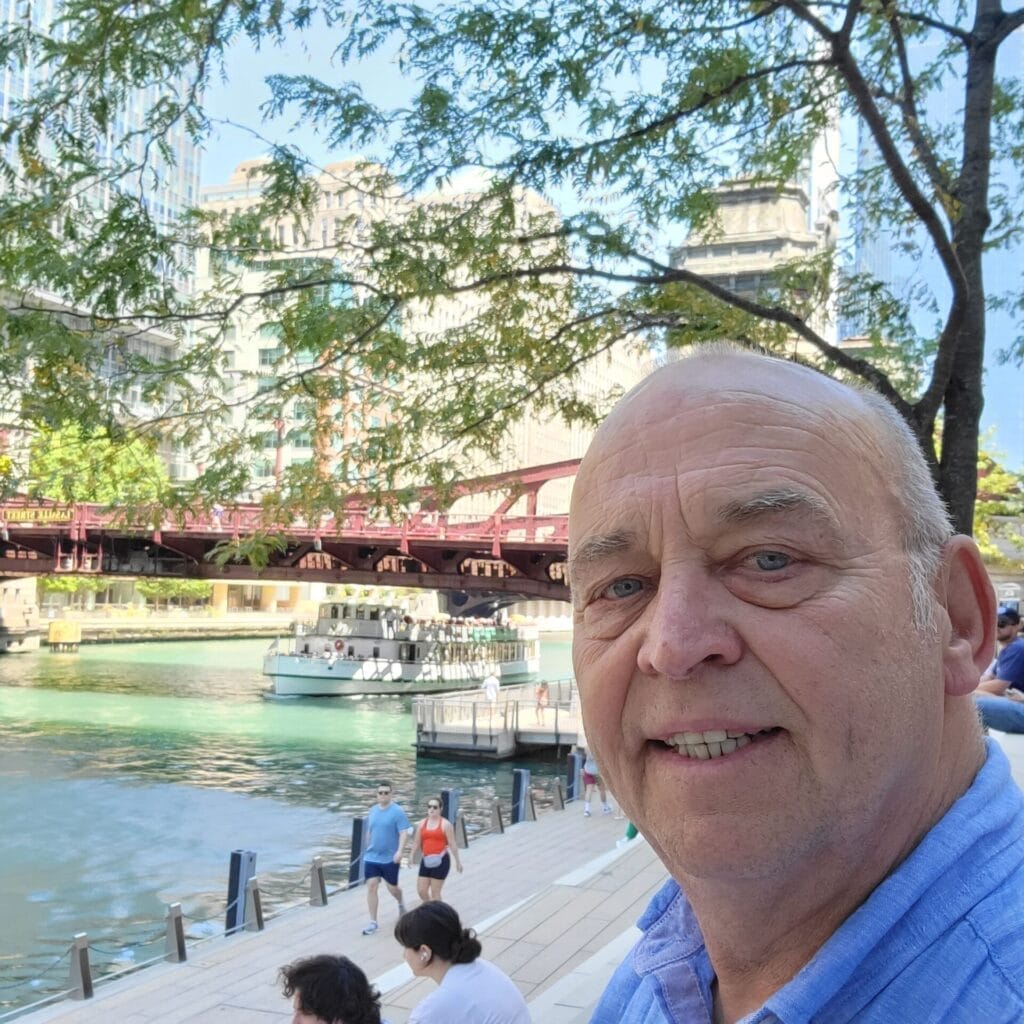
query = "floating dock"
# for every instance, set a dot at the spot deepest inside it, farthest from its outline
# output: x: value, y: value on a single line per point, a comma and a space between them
x: 468, y: 725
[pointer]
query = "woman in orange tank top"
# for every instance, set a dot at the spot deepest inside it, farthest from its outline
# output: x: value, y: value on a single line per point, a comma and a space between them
x: 435, y: 840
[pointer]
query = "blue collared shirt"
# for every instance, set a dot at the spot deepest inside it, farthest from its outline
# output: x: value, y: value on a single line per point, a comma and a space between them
x: 940, y: 941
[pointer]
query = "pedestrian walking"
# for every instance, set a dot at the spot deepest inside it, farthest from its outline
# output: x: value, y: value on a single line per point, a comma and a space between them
x: 435, y: 839
x: 388, y: 829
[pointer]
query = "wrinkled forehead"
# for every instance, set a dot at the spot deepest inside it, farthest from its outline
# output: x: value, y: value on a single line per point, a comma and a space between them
x: 741, y: 428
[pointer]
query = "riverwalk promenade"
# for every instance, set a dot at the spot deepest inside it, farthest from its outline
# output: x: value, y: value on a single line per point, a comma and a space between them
x: 554, y: 901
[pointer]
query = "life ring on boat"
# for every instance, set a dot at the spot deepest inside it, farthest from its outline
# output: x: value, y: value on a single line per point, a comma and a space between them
x: 338, y: 645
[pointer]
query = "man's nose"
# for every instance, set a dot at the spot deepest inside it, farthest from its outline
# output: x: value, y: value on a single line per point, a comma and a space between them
x: 685, y: 627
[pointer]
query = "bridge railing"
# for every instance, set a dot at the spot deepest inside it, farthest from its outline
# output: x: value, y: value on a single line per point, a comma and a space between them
x: 247, y: 519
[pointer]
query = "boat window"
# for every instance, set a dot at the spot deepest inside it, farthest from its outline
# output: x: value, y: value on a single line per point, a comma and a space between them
x: 334, y: 611
x: 351, y: 652
x: 374, y: 614
x: 376, y: 652
x: 360, y: 612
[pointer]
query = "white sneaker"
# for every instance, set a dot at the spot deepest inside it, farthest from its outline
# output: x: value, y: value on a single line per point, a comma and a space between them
x: 586, y: 814
x: 401, y: 909
x: 607, y: 810
x: 370, y: 928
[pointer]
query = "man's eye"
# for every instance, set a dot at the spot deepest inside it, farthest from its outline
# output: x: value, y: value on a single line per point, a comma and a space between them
x: 772, y: 561
x: 626, y: 587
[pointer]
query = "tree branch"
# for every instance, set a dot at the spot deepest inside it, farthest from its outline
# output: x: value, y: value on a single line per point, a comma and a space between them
x: 673, y: 118
x: 846, y: 64
x: 1012, y: 20
x: 907, y: 104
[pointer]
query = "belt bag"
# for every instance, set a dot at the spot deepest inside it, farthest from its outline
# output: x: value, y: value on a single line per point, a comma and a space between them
x: 433, y: 860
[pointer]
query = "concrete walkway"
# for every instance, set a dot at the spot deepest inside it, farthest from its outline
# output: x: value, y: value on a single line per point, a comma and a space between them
x: 554, y: 902
x: 546, y: 896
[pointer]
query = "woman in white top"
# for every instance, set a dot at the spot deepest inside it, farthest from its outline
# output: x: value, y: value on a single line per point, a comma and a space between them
x: 469, y: 988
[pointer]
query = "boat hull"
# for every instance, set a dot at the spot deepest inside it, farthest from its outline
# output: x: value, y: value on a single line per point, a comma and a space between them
x: 299, y: 676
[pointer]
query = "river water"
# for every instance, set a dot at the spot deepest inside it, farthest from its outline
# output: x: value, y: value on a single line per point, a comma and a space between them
x: 129, y: 772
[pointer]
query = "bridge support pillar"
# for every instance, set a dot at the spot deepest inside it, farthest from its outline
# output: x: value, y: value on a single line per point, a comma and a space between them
x: 219, y: 599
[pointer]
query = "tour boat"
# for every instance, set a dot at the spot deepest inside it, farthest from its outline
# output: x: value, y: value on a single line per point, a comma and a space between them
x: 376, y: 648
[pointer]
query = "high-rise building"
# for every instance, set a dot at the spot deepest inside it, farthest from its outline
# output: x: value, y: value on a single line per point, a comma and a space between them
x: 168, y: 181
x: 759, y: 228
x: 329, y: 234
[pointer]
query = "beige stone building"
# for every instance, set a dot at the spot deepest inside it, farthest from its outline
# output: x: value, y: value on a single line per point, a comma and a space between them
x: 760, y: 227
x: 349, y: 200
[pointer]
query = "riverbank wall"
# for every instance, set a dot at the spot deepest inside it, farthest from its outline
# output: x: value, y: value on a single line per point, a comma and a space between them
x: 159, y: 627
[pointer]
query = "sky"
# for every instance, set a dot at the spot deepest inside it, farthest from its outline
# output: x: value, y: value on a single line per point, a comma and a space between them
x: 242, y: 133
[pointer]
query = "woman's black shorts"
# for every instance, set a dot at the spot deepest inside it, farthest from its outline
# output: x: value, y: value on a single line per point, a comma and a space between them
x: 441, y: 871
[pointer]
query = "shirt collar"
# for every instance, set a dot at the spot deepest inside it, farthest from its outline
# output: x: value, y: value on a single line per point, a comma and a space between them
x: 956, y: 864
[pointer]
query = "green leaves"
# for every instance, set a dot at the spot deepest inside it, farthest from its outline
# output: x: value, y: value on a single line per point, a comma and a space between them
x: 255, y: 550
x: 69, y: 464
x: 416, y: 303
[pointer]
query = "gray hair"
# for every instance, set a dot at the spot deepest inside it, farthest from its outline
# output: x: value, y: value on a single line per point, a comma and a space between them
x: 924, y: 521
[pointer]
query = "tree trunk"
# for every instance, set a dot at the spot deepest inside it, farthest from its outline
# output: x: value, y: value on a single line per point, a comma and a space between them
x: 963, y: 402
x: 963, y: 399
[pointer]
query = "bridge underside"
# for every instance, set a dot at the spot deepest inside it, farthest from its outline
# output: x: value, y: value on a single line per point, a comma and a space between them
x: 525, y: 568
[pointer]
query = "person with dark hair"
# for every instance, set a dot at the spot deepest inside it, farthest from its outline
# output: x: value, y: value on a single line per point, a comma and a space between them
x: 1000, y: 694
x: 329, y: 989
x: 435, y: 840
x: 387, y: 829
x: 469, y: 987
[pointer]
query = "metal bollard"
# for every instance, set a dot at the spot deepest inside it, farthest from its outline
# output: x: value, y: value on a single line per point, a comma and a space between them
x: 355, y: 863
x: 497, y: 824
x: 520, y: 795
x: 317, y: 884
x: 253, y: 906
x: 242, y: 868
x: 450, y: 803
x: 175, y: 944
x: 574, y: 777
x: 557, y: 799
x: 80, y: 977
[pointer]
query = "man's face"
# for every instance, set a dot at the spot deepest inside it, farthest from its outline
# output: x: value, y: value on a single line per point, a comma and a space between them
x: 751, y: 683
x: 1006, y: 629
x: 383, y: 795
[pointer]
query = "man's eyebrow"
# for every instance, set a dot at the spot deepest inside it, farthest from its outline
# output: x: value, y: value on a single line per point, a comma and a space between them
x: 768, y: 503
x: 601, y: 545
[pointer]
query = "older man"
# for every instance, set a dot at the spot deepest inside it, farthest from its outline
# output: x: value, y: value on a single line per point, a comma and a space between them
x: 776, y: 639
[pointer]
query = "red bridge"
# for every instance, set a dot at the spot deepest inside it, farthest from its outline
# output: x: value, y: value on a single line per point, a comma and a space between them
x: 521, y: 555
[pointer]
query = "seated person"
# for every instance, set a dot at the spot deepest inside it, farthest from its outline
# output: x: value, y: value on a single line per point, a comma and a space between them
x: 469, y: 987
x: 1000, y: 694
x: 328, y: 989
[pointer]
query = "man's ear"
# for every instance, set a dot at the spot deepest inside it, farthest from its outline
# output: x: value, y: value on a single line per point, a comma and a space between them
x: 970, y: 603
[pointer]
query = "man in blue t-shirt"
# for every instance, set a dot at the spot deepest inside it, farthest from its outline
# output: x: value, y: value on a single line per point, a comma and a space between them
x: 387, y: 829
x: 1000, y: 694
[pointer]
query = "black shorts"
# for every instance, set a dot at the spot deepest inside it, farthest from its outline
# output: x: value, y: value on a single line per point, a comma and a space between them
x: 440, y: 872
x: 388, y: 871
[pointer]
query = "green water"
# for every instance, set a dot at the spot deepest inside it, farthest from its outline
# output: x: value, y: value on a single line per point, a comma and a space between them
x: 129, y: 772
